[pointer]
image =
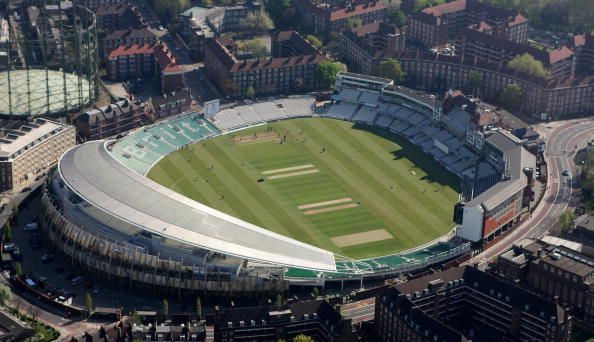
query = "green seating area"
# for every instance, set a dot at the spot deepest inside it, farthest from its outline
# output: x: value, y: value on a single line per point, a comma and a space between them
x: 141, y: 149
x: 394, y: 263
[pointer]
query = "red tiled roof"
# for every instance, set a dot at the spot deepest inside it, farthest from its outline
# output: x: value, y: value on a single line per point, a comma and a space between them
x: 160, y: 52
x: 482, y: 27
x: 560, y: 54
x: 134, y: 49
x: 579, y: 40
x: 517, y: 20
x: 271, y: 63
x: 166, y: 60
x: 439, y: 10
x: 358, y: 10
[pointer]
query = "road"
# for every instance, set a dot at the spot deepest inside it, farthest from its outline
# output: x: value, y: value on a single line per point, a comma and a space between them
x: 561, y: 147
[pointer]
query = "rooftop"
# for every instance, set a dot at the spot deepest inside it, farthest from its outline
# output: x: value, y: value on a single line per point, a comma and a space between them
x: 348, y: 12
x: 28, y: 135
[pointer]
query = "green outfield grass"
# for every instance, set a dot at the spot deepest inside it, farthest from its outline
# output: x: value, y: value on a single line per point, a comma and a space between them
x: 385, y: 183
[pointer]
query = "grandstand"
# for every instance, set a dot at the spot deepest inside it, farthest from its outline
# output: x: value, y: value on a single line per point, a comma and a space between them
x: 239, y: 117
x: 154, y: 212
x: 143, y: 148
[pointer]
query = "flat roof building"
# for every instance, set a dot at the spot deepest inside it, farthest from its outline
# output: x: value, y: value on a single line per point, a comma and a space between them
x: 31, y: 149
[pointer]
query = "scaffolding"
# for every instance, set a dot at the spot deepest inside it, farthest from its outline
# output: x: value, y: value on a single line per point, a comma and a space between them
x: 50, y: 63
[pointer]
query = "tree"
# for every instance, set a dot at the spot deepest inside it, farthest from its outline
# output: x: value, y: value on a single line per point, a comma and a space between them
x: 198, y: 306
x: 315, y: 292
x: 7, y: 232
x: 5, y: 294
x: 354, y: 22
x: 279, y: 299
x: 302, y: 338
x: 165, y: 307
x: 566, y: 219
x: 325, y: 73
x: 250, y: 92
x: 15, y: 211
x: 89, y: 303
x: 395, y: 16
x: 391, y: 69
x: 281, y: 13
x: 511, y: 96
x: 475, y: 80
x: 527, y: 64
x: 315, y: 41
x: 257, y: 22
x: 18, y: 269
x: 255, y: 47
x: 168, y: 9
x: 421, y: 4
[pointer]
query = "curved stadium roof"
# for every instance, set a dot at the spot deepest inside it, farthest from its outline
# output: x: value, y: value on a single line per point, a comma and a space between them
x: 91, y: 172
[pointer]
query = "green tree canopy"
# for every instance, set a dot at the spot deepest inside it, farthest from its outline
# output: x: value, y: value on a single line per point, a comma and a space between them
x: 391, y: 69
x: 165, y: 307
x: 7, y: 232
x: 89, y: 303
x: 325, y: 73
x: 315, y: 292
x: 511, y: 97
x: 420, y: 4
x: 302, y: 338
x: 395, y: 16
x: 255, y: 47
x: 198, y: 306
x: 250, y: 92
x: 5, y: 294
x: 167, y: 10
x: 18, y: 269
x: 354, y: 22
x: 257, y: 22
x: 315, y: 41
x: 527, y: 64
x: 566, y: 219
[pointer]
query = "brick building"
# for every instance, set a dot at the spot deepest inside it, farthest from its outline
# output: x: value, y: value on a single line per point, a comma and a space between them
x: 556, y: 98
x: 118, y: 16
x: 433, y: 26
x: 290, y: 69
x: 126, y: 37
x: 477, y: 44
x: 153, y: 61
x: 364, y: 48
x: 107, y: 121
x: 316, y: 318
x: 324, y: 19
x: 465, y: 304
x: 556, y: 272
x: 584, y: 51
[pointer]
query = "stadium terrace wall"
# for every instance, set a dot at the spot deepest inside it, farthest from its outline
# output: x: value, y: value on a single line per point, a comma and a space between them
x: 134, y: 269
x: 558, y: 99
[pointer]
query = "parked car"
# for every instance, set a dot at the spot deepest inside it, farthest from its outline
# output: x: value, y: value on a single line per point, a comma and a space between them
x: 9, y: 247
x: 29, y: 227
x: 77, y: 281
x: 47, y: 258
x: 3, y: 207
x: 97, y: 290
x: 565, y: 173
x: 16, y: 254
